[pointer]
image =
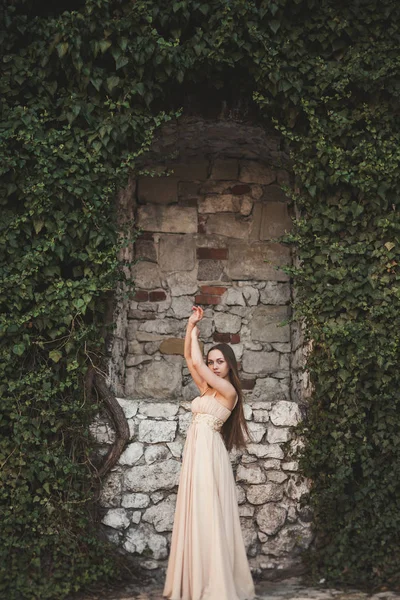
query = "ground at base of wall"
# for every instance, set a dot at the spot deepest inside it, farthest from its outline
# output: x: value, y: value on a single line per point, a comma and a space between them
x: 287, y: 589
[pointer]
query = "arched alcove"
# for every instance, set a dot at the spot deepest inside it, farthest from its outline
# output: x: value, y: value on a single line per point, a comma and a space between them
x: 209, y: 236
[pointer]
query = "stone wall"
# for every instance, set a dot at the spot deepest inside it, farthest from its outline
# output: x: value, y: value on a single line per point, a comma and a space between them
x: 209, y: 237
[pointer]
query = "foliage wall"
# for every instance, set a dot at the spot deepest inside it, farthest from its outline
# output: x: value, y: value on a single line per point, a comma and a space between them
x: 83, y: 87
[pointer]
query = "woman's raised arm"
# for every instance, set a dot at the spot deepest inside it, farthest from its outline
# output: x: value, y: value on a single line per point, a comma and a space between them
x: 194, y: 318
x: 224, y: 387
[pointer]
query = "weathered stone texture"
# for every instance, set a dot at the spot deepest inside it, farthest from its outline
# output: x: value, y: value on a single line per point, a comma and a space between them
x: 111, y: 490
x: 269, y: 389
x: 177, y: 253
x: 141, y: 538
x: 211, y: 270
x: 157, y: 190
x: 265, y: 492
x: 191, y: 171
x: 225, y: 169
x: 285, y: 414
x: 266, y: 324
x: 161, y: 326
x: 274, y: 193
x: 224, y: 322
x: 181, y: 307
x: 250, y: 474
x: 226, y: 203
x: 116, y: 518
x: 277, y: 434
x: 234, y: 297
x: 167, y: 219
x: 182, y: 284
x: 266, y: 450
x: 209, y: 232
x: 161, y: 516
x: 163, y: 475
x: 135, y: 500
x: 261, y: 362
x: 146, y: 275
x: 130, y: 407
x: 251, y: 295
x: 257, y: 431
x: 145, y: 249
x: 275, y: 220
x: 257, y: 261
x: 249, y: 536
x: 228, y: 225
x: 271, y: 518
x: 172, y: 346
x: 159, y: 379
x: 219, y: 203
x: 254, y: 172
x: 132, y: 453
x: 156, y: 431
x: 275, y: 293
x: 297, y: 487
x: 176, y: 449
x: 158, y: 410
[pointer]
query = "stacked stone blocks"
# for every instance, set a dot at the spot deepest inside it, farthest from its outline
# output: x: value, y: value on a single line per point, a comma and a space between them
x: 209, y: 238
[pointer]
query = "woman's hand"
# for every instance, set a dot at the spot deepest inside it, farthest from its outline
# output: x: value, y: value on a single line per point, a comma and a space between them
x: 196, y: 315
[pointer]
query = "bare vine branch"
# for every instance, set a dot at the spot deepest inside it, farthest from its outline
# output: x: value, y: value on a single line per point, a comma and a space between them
x: 117, y: 417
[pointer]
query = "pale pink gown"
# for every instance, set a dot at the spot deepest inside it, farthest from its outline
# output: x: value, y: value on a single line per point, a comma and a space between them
x: 207, y: 559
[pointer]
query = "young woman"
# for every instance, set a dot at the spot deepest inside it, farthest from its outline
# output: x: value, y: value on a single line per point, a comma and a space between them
x: 208, y: 559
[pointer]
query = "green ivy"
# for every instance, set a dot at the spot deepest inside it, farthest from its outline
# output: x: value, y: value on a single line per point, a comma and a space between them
x: 82, y: 93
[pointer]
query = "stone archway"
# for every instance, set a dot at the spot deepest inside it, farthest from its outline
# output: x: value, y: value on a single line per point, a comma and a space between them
x: 209, y: 237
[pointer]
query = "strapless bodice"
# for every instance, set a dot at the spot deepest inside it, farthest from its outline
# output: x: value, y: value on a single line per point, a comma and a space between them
x: 207, y: 409
x: 210, y: 405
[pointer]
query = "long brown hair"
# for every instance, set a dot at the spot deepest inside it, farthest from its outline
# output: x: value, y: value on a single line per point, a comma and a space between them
x: 234, y: 430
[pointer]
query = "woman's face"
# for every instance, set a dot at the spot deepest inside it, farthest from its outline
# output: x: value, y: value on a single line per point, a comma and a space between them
x: 217, y: 363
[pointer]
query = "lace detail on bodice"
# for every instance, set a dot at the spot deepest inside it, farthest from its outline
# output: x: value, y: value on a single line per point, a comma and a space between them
x: 213, y: 422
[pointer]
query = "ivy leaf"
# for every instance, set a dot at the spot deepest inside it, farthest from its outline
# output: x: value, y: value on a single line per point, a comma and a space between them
x: 19, y: 349
x: 104, y: 45
x: 204, y: 8
x: 38, y: 225
x: 312, y: 190
x: 284, y: 85
x: 274, y: 25
x: 11, y: 188
x: 389, y: 246
x: 96, y: 82
x: 112, y: 82
x: 273, y: 8
x: 140, y: 88
x: 62, y: 49
x: 123, y: 42
x: 78, y: 303
x: 55, y: 355
x: 356, y: 209
x: 121, y: 62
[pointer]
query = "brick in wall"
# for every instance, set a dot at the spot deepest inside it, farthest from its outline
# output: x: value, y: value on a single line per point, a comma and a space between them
x: 212, y: 253
x: 141, y: 296
x: 205, y: 299
x: 214, y: 290
x: 157, y: 296
x: 248, y: 384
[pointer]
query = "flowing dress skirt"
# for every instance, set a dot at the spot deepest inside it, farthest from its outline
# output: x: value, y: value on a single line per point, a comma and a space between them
x: 207, y: 558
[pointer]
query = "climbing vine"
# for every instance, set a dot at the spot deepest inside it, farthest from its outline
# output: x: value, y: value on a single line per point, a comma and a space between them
x: 84, y: 86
